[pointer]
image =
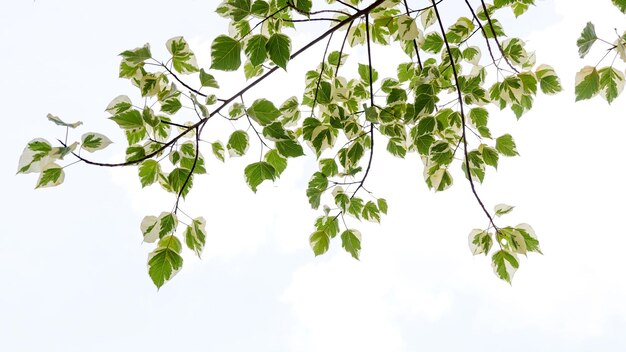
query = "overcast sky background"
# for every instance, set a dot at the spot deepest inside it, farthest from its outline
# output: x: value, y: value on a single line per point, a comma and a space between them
x: 74, y: 269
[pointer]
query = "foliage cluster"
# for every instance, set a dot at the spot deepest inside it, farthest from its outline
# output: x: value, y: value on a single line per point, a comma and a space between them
x: 435, y: 106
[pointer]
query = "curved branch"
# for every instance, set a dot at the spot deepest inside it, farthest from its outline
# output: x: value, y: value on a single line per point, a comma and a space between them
x: 463, y: 135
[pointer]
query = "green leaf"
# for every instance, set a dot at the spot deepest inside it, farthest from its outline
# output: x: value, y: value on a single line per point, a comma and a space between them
x: 502, y: 209
x: 370, y: 212
x: 324, y: 93
x: 59, y: 122
x: 329, y: 167
x: 129, y: 120
x: 195, y: 235
x: 351, y: 242
x: 167, y: 224
x: 237, y: 143
x: 356, y: 207
x: 149, y: 172
x: 364, y: 73
x: 165, y: 261
x: 276, y: 160
x: 320, y: 242
x: 433, y: 43
x: 506, y: 145
x: 258, y: 172
x: 225, y: 53
x: 207, y: 79
x: 382, y: 205
x: 317, y: 185
x: 530, y: 239
x: 35, y: 157
x: 490, y: 156
x: 94, y: 141
x: 137, y: 55
x: 425, y: 99
x: 51, y: 176
x: 548, y: 80
x: 118, y: 105
x: 480, y: 241
x: 279, y: 49
x: 586, y: 39
x: 611, y: 83
x: 504, y: 264
x: 587, y: 83
x: 263, y: 111
x: 256, y: 49
x: 183, y: 59
x: 180, y: 181
x: 620, y: 4
x: 218, y: 150
x: 150, y: 228
x: 289, y: 148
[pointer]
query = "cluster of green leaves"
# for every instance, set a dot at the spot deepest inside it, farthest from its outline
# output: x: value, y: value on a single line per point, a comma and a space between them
x: 511, y: 241
x: 607, y: 81
x: 436, y: 106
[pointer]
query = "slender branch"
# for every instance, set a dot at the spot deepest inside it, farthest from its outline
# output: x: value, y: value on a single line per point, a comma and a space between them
x: 369, y: 163
x: 483, y: 31
x: 190, y: 174
x: 181, y: 81
x: 200, y: 124
x: 343, y: 44
x: 369, y: 58
x: 252, y: 125
x: 463, y: 135
x: 319, y: 79
x: 495, y: 36
x: 417, y: 53
x: 347, y: 4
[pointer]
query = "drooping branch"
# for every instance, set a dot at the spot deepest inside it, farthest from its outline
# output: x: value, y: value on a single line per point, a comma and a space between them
x: 463, y: 118
x: 200, y: 124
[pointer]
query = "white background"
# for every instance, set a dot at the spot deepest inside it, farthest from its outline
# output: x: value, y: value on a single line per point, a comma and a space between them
x: 73, y: 269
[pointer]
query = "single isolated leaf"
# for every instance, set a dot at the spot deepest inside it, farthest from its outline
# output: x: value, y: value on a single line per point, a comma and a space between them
x: 183, y: 59
x: 506, y: 145
x: 237, y: 143
x: 256, y: 50
x: 620, y: 4
x: 502, y: 209
x: 351, y: 242
x: 167, y: 224
x: 149, y: 172
x: 480, y: 242
x: 587, y: 83
x: 35, y: 157
x: 586, y: 39
x: 319, y: 242
x: 504, y: 264
x: 118, y: 105
x: 218, y: 150
x: 611, y: 83
x: 195, y: 235
x: 150, y: 228
x: 258, y: 172
x: 263, y: 111
x: 165, y: 261
x: 51, y: 176
x: 207, y: 79
x: 279, y: 49
x: 94, y: 141
x: 59, y: 122
x: 225, y: 53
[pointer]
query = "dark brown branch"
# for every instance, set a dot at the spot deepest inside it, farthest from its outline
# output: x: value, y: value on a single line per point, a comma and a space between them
x: 417, y: 52
x: 495, y: 36
x: 182, y: 82
x: 463, y: 135
x: 200, y: 124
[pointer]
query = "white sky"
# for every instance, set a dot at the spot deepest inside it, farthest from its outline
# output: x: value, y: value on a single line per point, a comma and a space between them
x: 74, y: 272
